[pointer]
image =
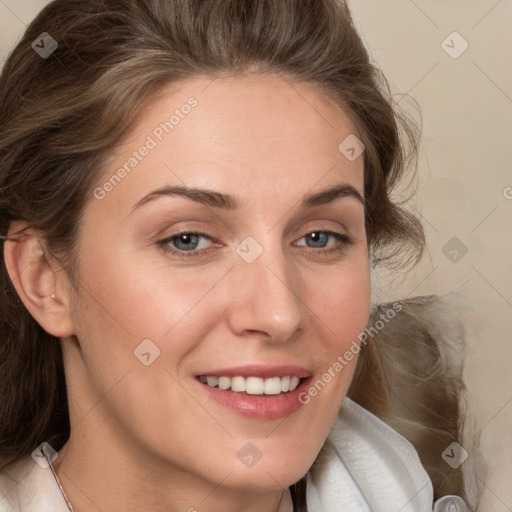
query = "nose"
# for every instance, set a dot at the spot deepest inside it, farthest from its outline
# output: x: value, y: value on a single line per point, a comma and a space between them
x: 265, y: 298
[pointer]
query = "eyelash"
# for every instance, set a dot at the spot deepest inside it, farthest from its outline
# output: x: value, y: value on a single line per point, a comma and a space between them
x: 345, y: 240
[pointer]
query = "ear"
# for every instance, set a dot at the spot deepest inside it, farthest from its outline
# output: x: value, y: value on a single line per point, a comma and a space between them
x: 41, y: 282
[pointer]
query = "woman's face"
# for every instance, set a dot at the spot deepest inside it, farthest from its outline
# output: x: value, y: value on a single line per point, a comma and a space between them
x: 275, y: 284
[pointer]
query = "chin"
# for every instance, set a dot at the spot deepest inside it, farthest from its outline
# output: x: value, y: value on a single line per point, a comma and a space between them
x: 273, y: 475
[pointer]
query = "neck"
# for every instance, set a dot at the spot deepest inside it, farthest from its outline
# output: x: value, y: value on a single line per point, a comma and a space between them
x: 102, y: 478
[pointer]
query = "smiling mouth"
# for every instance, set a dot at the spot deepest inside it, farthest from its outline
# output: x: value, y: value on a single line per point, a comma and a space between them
x: 252, y: 385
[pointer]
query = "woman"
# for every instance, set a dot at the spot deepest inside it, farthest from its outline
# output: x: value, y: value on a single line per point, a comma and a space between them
x: 194, y: 193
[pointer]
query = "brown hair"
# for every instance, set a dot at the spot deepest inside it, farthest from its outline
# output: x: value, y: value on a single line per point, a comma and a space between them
x: 61, y: 116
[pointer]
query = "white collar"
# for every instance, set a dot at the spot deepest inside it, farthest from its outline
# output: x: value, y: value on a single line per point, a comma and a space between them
x: 29, y: 487
x: 366, y: 467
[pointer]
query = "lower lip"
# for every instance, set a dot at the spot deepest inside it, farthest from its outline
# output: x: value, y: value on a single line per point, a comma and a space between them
x: 268, y: 407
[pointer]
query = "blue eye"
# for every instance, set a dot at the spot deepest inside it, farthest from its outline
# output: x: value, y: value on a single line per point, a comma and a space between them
x: 319, y: 240
x: 187, y: 244
x: 186, y: 241
x: 317, y: 237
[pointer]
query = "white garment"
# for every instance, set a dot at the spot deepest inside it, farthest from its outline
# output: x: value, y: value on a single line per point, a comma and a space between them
x: 368, y: 468
x: 28, y: 487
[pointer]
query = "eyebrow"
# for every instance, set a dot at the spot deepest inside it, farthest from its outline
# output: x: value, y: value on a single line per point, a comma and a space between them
x: 228, y: 202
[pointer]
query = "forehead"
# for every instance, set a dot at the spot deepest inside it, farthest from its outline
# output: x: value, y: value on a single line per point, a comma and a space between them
x: 254, y: 135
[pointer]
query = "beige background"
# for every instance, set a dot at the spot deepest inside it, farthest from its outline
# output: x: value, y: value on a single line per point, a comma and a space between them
x: 465, y: 168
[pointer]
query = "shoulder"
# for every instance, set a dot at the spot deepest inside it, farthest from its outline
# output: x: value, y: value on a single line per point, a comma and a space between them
x: 28, y: 487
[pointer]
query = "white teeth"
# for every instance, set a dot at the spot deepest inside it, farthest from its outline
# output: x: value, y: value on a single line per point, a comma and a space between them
x: 212, y: 381
x: 238, y: 384
x: 252, y: 385
x: 224, y: 383
x: 272, y: 386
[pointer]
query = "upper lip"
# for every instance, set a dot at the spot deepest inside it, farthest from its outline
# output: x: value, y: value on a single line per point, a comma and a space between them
x: 262, y: 371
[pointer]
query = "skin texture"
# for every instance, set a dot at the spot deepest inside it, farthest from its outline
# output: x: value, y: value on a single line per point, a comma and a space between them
x: 148, y: 437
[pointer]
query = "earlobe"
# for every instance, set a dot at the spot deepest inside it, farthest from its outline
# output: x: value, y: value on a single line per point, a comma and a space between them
x: 38, y: 281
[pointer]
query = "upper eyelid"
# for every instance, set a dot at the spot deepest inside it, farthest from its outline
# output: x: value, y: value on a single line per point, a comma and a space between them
x: 190, y: 229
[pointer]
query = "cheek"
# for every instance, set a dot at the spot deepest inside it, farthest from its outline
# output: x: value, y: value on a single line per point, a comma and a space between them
x: 343, y: 300
x: 135, y: 299
x: 125, y: 302
x: 342, y: 308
